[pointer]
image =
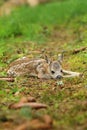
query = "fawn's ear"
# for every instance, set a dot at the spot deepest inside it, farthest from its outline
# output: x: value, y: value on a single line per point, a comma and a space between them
x: 60, y: 58
x: 47, y: 59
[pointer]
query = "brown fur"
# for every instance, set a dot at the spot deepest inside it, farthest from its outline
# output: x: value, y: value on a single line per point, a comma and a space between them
x: 41, y: 68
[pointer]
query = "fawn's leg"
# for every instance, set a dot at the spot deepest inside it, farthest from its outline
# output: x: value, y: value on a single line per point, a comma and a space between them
x: 71, y: 73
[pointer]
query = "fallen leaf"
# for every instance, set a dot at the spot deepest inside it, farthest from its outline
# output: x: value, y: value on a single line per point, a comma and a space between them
x: 27, y: 99
x: 36, y: 125
x: 47, y: 119
x: 33, y: 105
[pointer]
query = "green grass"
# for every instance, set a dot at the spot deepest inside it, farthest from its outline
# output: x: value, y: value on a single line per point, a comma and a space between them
x: 59, y: 26
x: 34, y: 23
x: 40, y: 23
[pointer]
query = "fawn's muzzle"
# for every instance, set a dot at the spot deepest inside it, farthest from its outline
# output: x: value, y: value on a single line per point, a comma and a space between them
x: 58, y: 77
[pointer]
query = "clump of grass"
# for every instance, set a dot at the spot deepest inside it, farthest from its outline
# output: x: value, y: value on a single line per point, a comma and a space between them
x: 35, y: 23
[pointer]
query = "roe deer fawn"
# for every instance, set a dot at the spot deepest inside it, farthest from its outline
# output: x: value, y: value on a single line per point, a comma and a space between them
x: 41, y: 68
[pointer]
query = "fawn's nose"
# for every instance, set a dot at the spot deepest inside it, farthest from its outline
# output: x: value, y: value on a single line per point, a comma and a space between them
x: 58, y: 77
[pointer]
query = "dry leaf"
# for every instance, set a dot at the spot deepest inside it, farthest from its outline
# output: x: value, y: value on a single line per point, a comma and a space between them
x: 27, y: 99
x: 33, y: 105
x: 47, y: 119
x: 27, y: 102
x: 35, y: 125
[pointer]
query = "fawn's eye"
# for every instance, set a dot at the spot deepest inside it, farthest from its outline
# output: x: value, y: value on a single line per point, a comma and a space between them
x: 52, y: 72
x: 61, y: 71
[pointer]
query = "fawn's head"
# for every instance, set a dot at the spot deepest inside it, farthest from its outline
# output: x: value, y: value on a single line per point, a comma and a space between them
x: 55, y: 68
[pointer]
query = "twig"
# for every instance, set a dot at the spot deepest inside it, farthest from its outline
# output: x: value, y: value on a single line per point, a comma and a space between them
x: 9, y: 79
x: 79, y: 50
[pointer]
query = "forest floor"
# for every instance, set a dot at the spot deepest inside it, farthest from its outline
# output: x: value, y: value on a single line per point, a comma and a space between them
x: 66, y: 98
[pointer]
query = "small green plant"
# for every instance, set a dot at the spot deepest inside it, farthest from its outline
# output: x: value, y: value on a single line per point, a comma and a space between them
x: 26, y: 112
